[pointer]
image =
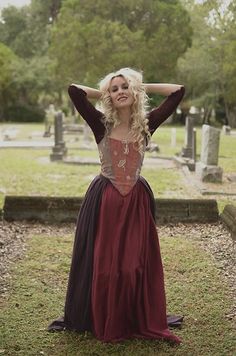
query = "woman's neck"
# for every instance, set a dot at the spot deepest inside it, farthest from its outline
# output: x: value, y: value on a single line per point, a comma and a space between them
x: 124, y: 115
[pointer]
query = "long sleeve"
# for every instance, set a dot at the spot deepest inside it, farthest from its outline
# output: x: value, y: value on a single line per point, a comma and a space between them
x: 89, y: 113
x: 158, y: 115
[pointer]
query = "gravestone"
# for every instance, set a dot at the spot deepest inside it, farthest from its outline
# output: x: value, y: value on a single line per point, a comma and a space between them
x: 49, y: 117
x: 86, y: 143
x: 226, y: 129
x: 59, y: 150
x: 194, y: 146
x: 187, y: 151
x: 207, y: 169
x: 187, y: 156
x: 173, y: 137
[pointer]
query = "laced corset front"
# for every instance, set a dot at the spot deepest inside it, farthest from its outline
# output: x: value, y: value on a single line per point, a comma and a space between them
x: 121, y: 162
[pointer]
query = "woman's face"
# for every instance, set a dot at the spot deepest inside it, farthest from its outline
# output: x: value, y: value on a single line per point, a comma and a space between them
x: 120, y: 93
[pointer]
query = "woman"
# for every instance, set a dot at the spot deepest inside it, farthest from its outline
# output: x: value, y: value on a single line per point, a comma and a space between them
x: 116, y: 285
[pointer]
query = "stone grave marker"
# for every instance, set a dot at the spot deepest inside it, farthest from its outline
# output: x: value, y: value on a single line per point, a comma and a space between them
x: 207, y: 169
x: 187, y: 151
x: 226, y: 129
x: 59, y: 150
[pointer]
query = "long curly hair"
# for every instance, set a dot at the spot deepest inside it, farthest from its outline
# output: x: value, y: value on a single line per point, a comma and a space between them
x: 138, y: 121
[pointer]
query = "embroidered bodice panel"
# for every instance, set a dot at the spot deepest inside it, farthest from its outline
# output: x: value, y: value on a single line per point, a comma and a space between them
x: 121, y: 163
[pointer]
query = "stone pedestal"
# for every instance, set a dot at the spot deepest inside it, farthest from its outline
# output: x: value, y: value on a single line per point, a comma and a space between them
x: 209, y: 173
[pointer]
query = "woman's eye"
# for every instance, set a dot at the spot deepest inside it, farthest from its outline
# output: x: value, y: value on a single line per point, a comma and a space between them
x: 114, y: 90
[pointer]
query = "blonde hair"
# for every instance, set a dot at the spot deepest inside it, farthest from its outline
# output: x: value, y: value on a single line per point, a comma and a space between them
x: 139, y: 122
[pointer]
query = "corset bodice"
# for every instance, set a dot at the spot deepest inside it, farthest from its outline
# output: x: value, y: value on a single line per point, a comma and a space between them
x: 121, y: 162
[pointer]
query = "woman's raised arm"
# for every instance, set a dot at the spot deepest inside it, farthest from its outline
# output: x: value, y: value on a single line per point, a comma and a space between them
x: 174, y: 93
x: 91, y: 92
x: 79, y: 95
x: 161, y: 88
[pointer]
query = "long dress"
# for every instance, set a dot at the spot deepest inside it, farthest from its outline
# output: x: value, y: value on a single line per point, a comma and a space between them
x: 116, y: 284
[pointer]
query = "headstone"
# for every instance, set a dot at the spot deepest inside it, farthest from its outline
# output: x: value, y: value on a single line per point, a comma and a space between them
x: 49, y: 117
x: 226, y: 129
x: 86, y: 140
x: 173, y: 137
x: 9, y: 133
x: 207, y: 169
x: 59, y: 150
x: 152, y: 147
x: 194, y: 145
x: 187, y: 151
x: 210, y: 145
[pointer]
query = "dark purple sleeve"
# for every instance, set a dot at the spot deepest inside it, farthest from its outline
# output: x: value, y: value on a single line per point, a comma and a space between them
x: 89, y: 113
x: 158, y: 115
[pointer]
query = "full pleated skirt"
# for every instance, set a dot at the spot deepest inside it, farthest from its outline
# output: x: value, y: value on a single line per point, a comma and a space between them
x: 116, y: 284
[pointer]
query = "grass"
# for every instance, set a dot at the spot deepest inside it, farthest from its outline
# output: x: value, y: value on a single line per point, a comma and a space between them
x: 29, y: 172
x: 226, y: 150
x: 193, y: 284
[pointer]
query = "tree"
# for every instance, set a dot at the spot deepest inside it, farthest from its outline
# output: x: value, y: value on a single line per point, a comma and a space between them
x: 26, y: 31
x: 7, y: 58
x: 91, y: 38
x: 208, y: 67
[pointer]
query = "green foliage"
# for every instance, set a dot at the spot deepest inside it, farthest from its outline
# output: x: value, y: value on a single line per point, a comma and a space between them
x: 24, y: 113
x: 26, y: 32
x: 208, y: 68
x: 87, y: 39
x: 92, y: 38
x: 20, y: 85
x: 7, y: 93
x: 46, y: 11
x: 12, y: 29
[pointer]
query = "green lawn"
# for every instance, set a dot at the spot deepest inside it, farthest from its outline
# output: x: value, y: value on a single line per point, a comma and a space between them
x: 227, y: 150
x: 29, y: 172
x: 193, y: 284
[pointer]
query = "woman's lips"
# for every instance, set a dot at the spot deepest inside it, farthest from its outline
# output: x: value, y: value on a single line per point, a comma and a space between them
x: 122, y: 98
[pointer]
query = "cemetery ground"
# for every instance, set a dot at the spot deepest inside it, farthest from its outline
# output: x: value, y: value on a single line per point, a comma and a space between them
x: 30, y: 172
x: 199, y: 259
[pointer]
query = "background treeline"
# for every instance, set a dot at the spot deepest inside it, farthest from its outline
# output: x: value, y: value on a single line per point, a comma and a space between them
x: 50, y: 43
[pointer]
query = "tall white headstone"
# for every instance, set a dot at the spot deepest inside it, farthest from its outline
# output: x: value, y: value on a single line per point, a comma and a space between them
x: 207, y: 169
x: 210, y: 145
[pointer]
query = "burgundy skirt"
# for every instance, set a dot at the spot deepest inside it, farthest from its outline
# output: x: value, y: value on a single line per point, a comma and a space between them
x: 116, y: 284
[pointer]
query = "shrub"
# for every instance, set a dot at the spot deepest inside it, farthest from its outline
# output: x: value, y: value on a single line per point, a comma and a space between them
x: 25, y: 113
